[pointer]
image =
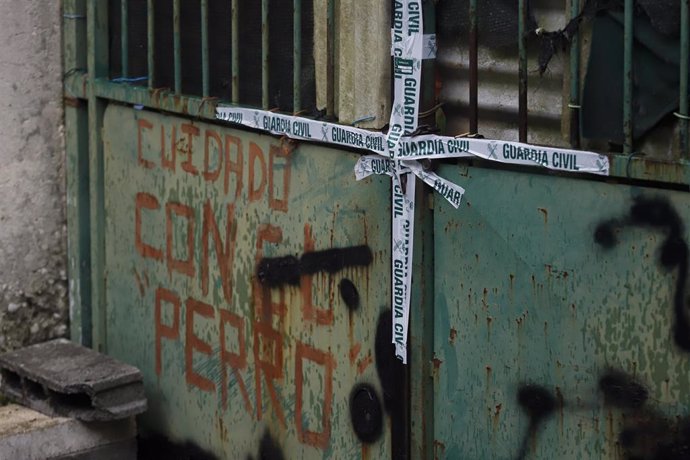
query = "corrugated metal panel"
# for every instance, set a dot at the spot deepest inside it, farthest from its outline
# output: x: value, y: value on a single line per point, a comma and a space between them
x: 195, y: 213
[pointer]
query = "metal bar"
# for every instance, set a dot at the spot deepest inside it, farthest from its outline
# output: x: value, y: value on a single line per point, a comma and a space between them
x: 77, y: 169
x: 522, y: 52
x: 297, y: 56
x: 97, y: 65
x: 264, y: 54
x: 235, y: 52
x: 150, y: 41
x: 330, y: 60
x: 78, y: 85
x: 628, y: 124
x: 124, y: 37
x: 683, y: 109
x: 177, y: 51
x: 474, y: 70
x: 204, y: 49
x: 574, y: 105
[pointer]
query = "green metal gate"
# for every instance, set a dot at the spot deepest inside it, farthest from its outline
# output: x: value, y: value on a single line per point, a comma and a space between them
x: 248, y: 275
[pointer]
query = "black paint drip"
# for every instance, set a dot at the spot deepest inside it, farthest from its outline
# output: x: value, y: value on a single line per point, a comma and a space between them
x: 349, y: 294
x: 539, y: 403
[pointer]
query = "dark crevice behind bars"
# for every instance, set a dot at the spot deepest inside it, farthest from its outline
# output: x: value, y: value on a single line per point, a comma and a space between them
x: 220, y: 46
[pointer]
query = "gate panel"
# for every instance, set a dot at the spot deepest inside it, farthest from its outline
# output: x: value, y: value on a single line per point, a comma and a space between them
x: 243, y: 277
x: 560, y: 319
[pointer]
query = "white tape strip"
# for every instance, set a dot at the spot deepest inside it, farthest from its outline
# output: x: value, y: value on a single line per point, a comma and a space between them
x: 305, y: 129
x: 428, y: 45
x: 435, y: 147
x: 418, y: 147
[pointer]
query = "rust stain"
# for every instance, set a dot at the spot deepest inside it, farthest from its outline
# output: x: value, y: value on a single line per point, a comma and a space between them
x: 476, y: 256
x: 437, y: 363
x: 489, y: 320
x: 354, y: 352
x: 497, y: 416
x: 140, y: 284
x: 485, y: 293
x: 364, y: 363
x: 439, y: 449
x: 453, y: 335
x: 365, y: 451
x: 545, y: 213
x: 488, y: 375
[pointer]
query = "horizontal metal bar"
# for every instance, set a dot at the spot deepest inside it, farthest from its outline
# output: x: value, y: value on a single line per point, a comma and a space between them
x: 77, y: 85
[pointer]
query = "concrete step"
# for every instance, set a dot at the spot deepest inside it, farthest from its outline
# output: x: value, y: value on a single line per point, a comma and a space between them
x: 62, y: 378
x: 29, y: 435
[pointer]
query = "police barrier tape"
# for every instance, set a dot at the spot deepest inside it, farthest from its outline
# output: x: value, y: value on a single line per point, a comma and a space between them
x: 407, y: 40
x: 425, y: 147
x: 398, y: 152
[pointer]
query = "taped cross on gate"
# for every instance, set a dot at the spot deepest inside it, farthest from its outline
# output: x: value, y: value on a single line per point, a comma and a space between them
x: 399, y: 152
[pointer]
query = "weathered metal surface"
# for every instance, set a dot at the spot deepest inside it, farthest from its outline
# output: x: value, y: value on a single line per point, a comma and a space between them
x: 244, y: 279
x: 560, y: 320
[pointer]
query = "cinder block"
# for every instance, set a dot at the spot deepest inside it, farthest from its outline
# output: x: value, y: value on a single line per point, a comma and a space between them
x: 65, y: 379
x: 29, y: 435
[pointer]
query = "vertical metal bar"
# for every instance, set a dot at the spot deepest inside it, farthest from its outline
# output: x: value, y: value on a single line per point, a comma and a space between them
x: 522, y: 52
x: 428, y: 89
x: 124, y: 37
x: 474, y: 71
x: 628, y: 124
x: 77, y: 169
x: 97, y: 66
x: 177, y: 52
x: 574, y: 105
x: 150, y: 41
x: 297, y: 56
x: 204, y: 49
x: 235, y: 51
x: 330, y: 60
x: 684, y: 69
x: 264, y: 54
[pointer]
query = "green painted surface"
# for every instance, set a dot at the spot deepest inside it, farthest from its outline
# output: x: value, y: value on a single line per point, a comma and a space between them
x: 194, y: 394
x: 524, y: 295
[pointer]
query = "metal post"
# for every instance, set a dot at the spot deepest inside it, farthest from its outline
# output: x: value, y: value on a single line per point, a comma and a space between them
x: 151, y: 41
x: 204, y: 49
x: 684, y: 69
x: 574, y: 104
x: 522, y: 52
x: 77, y: 175
x: 264, y: 54
x: 124, y: 37
x: 297, y: 56
x: 330, y: 60
x: 628, y: 124
x: 235, y: 52
x: 176, y: 47
x: 97, y: 66
x: 474, y: 71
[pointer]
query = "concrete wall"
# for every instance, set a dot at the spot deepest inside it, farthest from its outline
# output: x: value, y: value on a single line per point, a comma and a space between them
x: 33, y: 303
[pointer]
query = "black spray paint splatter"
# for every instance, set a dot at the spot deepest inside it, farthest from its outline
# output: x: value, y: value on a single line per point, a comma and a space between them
x: 657, y: 213
x: 277, y: 271
x: 366, y: 413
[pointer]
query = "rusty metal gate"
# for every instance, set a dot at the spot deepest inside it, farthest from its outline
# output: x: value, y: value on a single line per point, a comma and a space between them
x: 248, y: 276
